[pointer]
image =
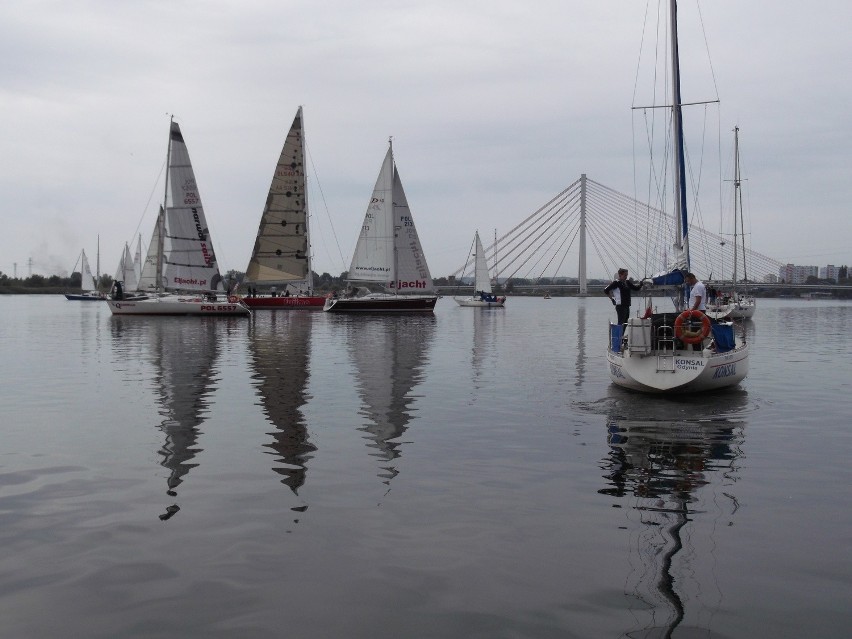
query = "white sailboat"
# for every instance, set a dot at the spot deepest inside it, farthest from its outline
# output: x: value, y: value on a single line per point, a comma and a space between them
x: 665, y: 352
x: 282, y: 250
x: 126, y: 271
x: 482, y: 296
x: 88, y: 287
x: 388, y: 254
x: 733, y: 304
x: 186, y: 279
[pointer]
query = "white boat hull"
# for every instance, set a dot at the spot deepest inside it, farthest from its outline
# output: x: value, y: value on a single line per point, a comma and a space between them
x: 499, y: 302
x: 177, y: 305
x: 651, y: 357
x: 739, y: 310
x: 693, y: 371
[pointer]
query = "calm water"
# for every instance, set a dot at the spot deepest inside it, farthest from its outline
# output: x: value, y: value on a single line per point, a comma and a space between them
x: 471, y: 474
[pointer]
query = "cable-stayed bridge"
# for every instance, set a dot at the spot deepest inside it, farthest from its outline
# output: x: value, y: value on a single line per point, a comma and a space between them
x: 621, y: 232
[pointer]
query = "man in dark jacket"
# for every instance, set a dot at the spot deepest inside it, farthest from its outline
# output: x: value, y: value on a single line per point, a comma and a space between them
x: 624, y: 287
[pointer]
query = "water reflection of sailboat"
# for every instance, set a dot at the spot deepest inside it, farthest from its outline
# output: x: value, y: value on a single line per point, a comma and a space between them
x: 389, y: 354
x: 183, y: 356
x: 280, y: 353
x: 484, y: 344
x: 663, y: 470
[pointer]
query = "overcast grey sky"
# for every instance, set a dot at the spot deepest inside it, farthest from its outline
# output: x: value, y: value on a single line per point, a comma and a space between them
x: 494, y: 105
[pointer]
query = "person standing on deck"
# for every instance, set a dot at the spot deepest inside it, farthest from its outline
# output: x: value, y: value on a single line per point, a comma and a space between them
x: 623, y: 286
x: 697, y: 294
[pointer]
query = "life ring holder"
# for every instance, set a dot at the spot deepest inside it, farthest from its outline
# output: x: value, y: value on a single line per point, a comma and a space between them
x: 691, y: 337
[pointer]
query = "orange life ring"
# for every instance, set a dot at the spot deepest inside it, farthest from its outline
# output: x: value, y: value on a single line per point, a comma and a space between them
x: 691, y: 337
x: 233, y: 299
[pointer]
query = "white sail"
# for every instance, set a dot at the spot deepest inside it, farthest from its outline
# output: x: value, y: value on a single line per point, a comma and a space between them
x: 482, y: 281
x: 388, y: 249
x: 189, y: 263
x: 412, y: 272
x: 373, y: 257
x: 125, y: 272
x: 137, y: 259
x: 148, y: 277
x: 282, y: 251
x: 87, y: 280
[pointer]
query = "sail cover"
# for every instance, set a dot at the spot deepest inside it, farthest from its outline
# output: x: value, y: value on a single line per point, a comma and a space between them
x: 189, y: 262
x: 281, y: 250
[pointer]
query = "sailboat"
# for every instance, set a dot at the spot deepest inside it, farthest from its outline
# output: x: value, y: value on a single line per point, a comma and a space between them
x: 388, y: 254
x: 126, y: 271
x: 186, y: 279
x: 89, y: 290
x: 679, y: 351
x: 482, y: 296
x: 282, y: 250
x: 733, y: 304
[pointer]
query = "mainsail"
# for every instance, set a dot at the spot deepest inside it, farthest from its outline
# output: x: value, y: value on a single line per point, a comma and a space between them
x: 87, y: 280
x: 189, y: 263
x: 482, y: 281
x: 282, y: 252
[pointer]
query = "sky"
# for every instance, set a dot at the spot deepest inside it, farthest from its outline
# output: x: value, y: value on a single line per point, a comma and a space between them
x: 494, y: 107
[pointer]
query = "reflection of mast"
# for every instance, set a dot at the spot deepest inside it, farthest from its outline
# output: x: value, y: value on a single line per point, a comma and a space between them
x: 183, y: 356
x: 389, y: 354
x: 663, y: 466
x: 581, y: 341
x: 280, y: 350
x: 484, y: 320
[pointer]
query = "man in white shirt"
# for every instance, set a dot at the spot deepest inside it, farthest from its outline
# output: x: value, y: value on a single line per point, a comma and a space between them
x: 697, y: 294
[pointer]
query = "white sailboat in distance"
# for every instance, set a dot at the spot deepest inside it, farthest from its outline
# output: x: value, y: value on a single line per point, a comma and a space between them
x: 482, y: 296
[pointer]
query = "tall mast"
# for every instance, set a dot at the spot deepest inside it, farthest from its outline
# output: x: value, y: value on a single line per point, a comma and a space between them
x: 677, y: 131
x: 98, y: 265
x: 736, y: 194
x: 161, y: 219
x: 310, y: 278
x: 738, y: 202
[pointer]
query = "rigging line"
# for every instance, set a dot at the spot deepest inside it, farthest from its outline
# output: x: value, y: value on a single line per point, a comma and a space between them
x: 150, y: 197
x: 324, y: 202
x: 707, y: 48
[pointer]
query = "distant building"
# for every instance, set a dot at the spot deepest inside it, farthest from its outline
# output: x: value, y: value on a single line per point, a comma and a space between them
x: 829, y: 272
x: 770, y: 278
x: 793, y: 274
